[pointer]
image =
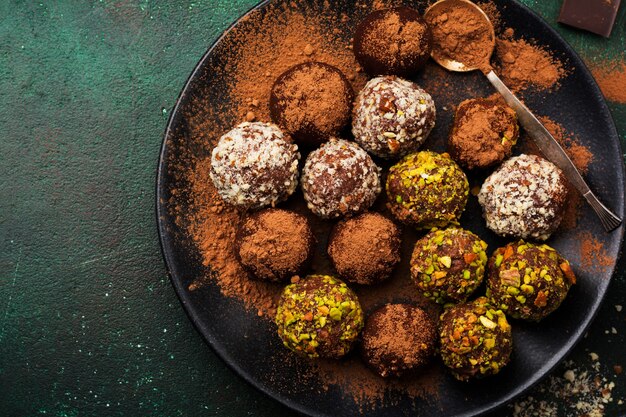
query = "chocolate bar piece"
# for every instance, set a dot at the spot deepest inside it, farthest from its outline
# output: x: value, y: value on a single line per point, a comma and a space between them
x: 597, y: 16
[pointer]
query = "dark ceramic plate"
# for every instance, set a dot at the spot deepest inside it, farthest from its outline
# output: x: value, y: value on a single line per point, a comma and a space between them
x: 249, y: 344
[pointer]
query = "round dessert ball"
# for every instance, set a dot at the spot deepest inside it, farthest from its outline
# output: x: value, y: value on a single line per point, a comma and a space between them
x: 426, y: 190
x: 394, y: 41
x: 484, y: 133
x: 365, y: 249
x: 528, y: 281
x: 392, y: 117
x: 397, y: 339
x: 448, y: 265
x: 340, y: 179
x: 475, y: 339
x: 255, y: 165
x: 524, y: 198
x: 312, y: 102
x: 319, y: 316
x: 275, y: 244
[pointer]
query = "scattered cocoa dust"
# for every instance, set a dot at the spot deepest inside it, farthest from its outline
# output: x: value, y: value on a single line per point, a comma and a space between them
x: 592, y: 253
x: 611, y: 78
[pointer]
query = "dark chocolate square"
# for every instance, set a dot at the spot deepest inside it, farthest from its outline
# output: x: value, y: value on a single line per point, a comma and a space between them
x: 597, y: 16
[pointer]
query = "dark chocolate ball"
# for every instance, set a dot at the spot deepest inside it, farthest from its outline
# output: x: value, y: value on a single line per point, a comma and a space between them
x: 524, y: 198
x: 475, y: 339
x: 312, y: 102
x: 365, y: 249
x: 528, y: 281
x: 394, y: 41
x: 274, y: 244
x: 426, y: 190
x: 397, y: 339
x: 340, y: 179
x: 484, y: 133
x: 319, y: 316
x: 255, y: 165
x: 448, y: 265
x: 392, y: 117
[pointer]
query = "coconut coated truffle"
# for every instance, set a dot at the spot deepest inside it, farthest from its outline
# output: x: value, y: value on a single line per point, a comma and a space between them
x: 524, y: 198
x: 340, y: 179
x: 393, y: 41
x: 255, y: 165
x: 275, y: 244
x: 365, y: 249
x: 448, y: 265
x: 312, y: 102
x: 528, y: 281
x: 426, y: 190
x: 392, y: 117
x: 319, y: 316
x: 475, y: 339
x: 484, y: 133
x: 397, y: 339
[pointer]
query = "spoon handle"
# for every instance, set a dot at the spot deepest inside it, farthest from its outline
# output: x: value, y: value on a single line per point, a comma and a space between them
x: 554, y: 152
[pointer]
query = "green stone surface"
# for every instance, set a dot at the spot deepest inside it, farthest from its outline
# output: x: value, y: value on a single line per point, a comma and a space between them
x: 89, y: 323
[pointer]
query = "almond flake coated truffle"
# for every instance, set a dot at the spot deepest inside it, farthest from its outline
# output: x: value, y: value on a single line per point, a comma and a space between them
x: 524, y: 198
x: 255, y: 165
x: 392, y: 117
x: 340, y: 179
x: 426, y: 190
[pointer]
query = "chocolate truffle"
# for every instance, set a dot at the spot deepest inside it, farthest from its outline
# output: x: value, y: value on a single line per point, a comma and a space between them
x: 319, y: 316
x: 397, y: 339
x: 484, y: 133
x: 312, y: 102
x: 427, y: 189
x: 448, y: 265
x: 365, y: 249
x: 393, y: 41
x: 340, y: 179
x: 274, y: 244
x: 255, y: 165
x: 392, y: 117
x: 475, y: 339
x: 528, y: 281
x: 524, y: 198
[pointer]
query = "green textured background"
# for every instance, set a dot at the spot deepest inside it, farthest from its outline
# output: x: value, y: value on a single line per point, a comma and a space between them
x: 89, y: 323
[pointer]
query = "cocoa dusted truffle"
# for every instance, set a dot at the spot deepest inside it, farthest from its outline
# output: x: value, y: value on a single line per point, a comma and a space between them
x: 528, y: 281
x: 484, y: 133
x: 365, y: 249
x: 319, y: 316
x: 312, y: 102
x: 524, y: 198
x: 426, y: 190
x: 393, y: 41
x: 448, y: 265
x: 340, y: 179
x: 274, y: 244
x: 392, y: 117
x: 398, y: 339
x: 255, y: 165
x: 475, y: 339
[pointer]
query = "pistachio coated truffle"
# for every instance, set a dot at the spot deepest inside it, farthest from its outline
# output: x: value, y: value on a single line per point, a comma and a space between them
x: 392, y: 117
x: 397, y: 339
x: 426, y: 190
x: 448, y: 265
x: 319, y: 316
x: 365, y: 249
x: 274, y: 244
x: 524, y: 198
x: 340, y: 179
x: 528, y: 281
x: 394, y: 41
x: 312, y: 102
x: 255, y: 165
x: 475, y: 339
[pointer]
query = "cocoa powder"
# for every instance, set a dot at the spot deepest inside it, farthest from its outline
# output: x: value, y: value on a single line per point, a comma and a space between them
x: 611, y: 78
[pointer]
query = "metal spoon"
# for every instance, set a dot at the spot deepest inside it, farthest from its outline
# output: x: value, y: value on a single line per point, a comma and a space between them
x: 550, y: 148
